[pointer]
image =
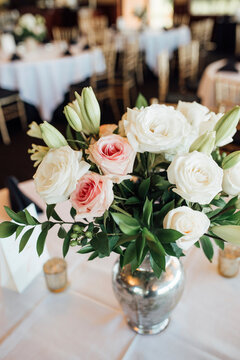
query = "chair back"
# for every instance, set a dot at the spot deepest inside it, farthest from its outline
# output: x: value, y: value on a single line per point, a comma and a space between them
x: 163, y: 75
x: 181, y: 19
x: 237, y: 47
x: 188, y: 57
x: 227, y: 94
x: 65, y: 33
x: 202, y: 31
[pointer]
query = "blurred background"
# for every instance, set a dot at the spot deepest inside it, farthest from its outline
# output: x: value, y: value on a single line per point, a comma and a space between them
x: 169, y: 50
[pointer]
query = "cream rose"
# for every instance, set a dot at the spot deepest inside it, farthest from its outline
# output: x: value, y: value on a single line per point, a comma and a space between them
x: 58, y: 173
x: 156, y: 128
x: 197, y: 177
x: 114, y: 156
x: 191, y: 223
x: 107, y: 129
x: 92, y: 196
x: 231, y: 180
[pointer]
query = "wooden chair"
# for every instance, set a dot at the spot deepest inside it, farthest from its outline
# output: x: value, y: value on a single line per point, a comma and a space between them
x: 202, y: 31
x: 163, y: 75
x: 102, y: 83
x: 227, y: 94
x: 65, y: 33
x: 188, y: 57
x: 237, y: 47
x: 181, y: 19
x: 11, y: 107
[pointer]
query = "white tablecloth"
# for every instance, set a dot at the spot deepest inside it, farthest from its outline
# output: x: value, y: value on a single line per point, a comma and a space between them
x: 155, y: 41
x: 85, y: 321
x: 206, y: 90
x: 43, y: 82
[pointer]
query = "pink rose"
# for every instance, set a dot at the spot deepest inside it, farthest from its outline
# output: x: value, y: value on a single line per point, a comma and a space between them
x: 107, y: 129
x: 114, y: 156
x: 92, y: 196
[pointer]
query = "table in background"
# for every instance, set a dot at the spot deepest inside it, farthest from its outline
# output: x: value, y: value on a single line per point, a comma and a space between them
x: 44, y: 76
x: 85, y: 321
x: 206, y: 89
x: 155, y: 41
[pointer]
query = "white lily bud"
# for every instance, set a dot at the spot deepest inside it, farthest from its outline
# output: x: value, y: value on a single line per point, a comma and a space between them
x: 229, y: 233
x: 73, y: 118
x: 226, y: 126
x: 51, y: 136
x: 231, y: 160
x: 204, y: 143
x: 89, y: 111
x: 34, y: 130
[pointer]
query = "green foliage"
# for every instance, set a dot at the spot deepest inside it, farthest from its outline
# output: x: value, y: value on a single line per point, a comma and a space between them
x: 207, y: 247
x: 141, y: 101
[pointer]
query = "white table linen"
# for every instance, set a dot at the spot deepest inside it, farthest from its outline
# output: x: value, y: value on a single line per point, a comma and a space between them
x: 85, y: 321
x: 155, y: 41
x: 43, y: 77
x: 206, y: 89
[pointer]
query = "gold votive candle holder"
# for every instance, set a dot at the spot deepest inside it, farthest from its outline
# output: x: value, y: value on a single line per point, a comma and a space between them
x: 55, y: 271
x: 228, y: 261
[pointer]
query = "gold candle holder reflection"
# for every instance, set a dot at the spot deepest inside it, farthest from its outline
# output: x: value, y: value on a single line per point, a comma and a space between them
x: 55, y: 271
x: 228, y: 261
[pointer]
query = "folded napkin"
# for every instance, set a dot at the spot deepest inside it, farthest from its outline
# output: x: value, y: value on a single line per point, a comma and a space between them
x: 230, y: 66
x: 15, y: 57
x: 18, y: 200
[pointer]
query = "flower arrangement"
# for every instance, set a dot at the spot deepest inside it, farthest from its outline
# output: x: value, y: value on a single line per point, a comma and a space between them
x: 31, y: 26
x: 155, y: 184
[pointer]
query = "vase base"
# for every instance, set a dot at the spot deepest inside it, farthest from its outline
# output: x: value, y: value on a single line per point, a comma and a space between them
x: 155, y: 329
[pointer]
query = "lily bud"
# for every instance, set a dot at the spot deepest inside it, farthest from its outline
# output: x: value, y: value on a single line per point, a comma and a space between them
x: 231, y: 160
x: 204, y: 143
x: 34, y: 130
x: 229, y: 233
x: 89, y: 111
x: 72, y: 118
x: 226, y: 126
x: 51, y: 136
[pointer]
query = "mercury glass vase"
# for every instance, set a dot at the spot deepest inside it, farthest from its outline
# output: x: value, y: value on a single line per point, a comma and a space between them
x: 147, y: 301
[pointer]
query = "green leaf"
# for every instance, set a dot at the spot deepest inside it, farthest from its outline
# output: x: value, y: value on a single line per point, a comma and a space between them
x: 197, y: 244
x: 140, y: 244
x: 85, y: 249
x: 219, y: 243
x: 30, y: 219
x: 141, y: 101
x: 7, y: 228
x: 155, y: 267
x: 100, y: 242
x: 133, y: 200
x: 229, y: 233
x: 19, y: 230
x: 62, y: 233
x: 127, y: 224
x: 55, y: 216
x: 18, y: 217
x: 143, y: 188
x: 173, y: 250
x: 219, y: 203
x: 93, y: 256
x: 147, y: 212
x: 156, y: 249
x: 41, y: 241
x: 160, y: 215
x: 168, y: 235
x: 50, y: 209
x: 70, y: 137
x: 24, y: 240
x: 125, y: 239
x: 207, y: 247
x: 66, y: 243
x: 73, y: 212
x: 129, y: 254
x: 159, y: 182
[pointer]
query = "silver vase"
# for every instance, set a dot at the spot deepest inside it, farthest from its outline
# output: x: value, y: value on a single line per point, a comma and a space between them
x: 146, y: 300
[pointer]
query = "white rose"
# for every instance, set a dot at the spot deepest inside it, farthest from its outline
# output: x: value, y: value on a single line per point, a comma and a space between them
x: 193, y: 224
x: 195, y: 113
x: 156, y: 128
x: 28, y: 21
x: 58, y: 173
x: 231, y: 180
x: 197, y: 177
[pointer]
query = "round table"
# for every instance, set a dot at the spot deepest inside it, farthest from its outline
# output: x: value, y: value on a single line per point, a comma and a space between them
x: 44, y: 75
x: 206, y: 89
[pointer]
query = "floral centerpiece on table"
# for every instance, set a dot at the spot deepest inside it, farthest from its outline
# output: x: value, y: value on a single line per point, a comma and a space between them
x: 31, y: 26
x: 155, y: 184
